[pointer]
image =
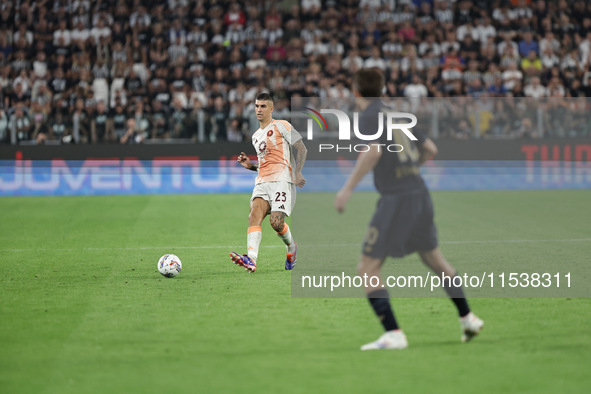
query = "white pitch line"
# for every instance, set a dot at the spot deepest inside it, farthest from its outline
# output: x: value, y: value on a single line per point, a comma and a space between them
x: 517, y: 241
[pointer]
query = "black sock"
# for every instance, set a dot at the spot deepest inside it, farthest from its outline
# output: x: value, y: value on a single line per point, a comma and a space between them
x: 380, y: 302
x: 456, y: 293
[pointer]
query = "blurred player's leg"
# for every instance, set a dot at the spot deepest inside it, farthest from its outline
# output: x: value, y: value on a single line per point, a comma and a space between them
x: 434, y: 259
x: 471, y: 324
x: 389, y: 340
x: 379, y: 300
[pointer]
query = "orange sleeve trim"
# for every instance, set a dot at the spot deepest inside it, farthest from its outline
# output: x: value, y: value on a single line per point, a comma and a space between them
x: 285, y: 228
x: 286, y: 125
x: 252, y: 229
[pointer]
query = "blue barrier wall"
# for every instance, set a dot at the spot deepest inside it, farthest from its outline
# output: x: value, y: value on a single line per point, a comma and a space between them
x: 131, y: 176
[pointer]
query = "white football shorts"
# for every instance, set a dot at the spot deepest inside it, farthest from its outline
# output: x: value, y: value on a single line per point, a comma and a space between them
x: 280, y: 195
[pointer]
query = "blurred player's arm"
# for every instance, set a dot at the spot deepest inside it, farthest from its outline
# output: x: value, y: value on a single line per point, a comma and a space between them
x: 428, y: 151
x: 301, y: 154
x: 365, y: 163
x: 246, y: 163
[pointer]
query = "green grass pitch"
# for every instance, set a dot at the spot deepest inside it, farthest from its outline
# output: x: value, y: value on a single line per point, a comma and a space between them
x: 83, y: 309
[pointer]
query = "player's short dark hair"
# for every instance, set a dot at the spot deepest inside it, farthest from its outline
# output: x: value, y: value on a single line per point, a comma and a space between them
x: 265, y: 97
x: 369, y: 82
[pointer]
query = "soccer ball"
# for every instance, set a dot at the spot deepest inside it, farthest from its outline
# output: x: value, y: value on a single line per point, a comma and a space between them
x: 169, y: 265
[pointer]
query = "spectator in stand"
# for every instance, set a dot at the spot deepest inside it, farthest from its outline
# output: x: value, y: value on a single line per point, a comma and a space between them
x: 532, y: 65
x: 512, y: 76
x: 492, y: 74
x: 475, y: 88
x: 485, y: 30
x: 549, y: 58
x: 80, y: 34
x: 528, y: 44
x: 549, y: 41
x: 20, y: 125
x: 235, y: 15
x: 218, y: 118
x: 555, y: 88
x: 527, y: 129
x: 159, y: 120
x: 134, y: 86
x: 131, y: 136
x: 497, y: 88
x: 19, y: 96
x: 59, y: 127
x: 177, y: 33
x: 101, y: 125
x: 311, y: 9
x: 142, y: 122
x: 100, y: 30
x: 235, y: 133
x: 507, y: 42
x: 38, y: 117
x: 509, y: 56
x: 407, y: 33
x: 523, y: 11
x: 4, y: 130
x: 471, y: 73
x: 179, y: 121
x: 534, y: 88
x: 430, y: 44
x: 452, y: 69
x: 62, y: 36
x: 375, y: 60
x: 119, y: 120
x: 415, y: 91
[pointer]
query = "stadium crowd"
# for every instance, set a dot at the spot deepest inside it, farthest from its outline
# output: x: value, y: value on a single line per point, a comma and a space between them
x: 79, y: 70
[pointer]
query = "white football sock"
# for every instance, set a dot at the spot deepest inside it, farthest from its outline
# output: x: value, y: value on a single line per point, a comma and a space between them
x: 287, y: 239
x: 253, y: 240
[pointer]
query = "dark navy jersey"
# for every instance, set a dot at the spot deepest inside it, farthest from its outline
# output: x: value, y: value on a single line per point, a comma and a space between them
x: 398, y: 168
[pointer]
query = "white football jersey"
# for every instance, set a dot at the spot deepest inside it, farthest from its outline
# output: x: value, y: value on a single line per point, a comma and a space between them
x: 273, y: 145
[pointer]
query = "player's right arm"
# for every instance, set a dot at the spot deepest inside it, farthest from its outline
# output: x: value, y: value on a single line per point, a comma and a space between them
x: 301, y: 155
x: 365, y: 163
x: 428, y: 151
x: 246, y: 163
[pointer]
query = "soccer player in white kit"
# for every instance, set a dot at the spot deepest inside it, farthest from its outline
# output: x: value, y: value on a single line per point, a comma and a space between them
x: 275, y: 187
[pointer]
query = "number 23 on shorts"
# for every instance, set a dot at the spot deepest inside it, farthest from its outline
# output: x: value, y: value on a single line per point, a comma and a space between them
x: 280, y: 196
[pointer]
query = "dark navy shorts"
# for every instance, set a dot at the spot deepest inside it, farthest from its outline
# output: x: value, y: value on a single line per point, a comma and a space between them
x: 402, y: 224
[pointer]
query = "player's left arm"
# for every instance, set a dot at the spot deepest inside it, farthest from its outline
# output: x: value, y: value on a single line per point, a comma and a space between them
x: 428, y: 151
x: 365, y: 163
x: 301, y: 154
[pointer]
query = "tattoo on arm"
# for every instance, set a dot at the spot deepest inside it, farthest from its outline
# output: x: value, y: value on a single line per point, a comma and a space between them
x: 301, y: 155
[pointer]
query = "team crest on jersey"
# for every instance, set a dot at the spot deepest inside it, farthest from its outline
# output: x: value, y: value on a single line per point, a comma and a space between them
x: 263, y: 148
x: 269, y: 133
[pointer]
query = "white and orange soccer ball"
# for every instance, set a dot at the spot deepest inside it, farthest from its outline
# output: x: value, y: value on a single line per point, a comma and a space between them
x: 169, y: 265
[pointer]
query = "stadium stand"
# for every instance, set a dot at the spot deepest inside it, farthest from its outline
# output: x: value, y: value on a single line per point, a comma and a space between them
x: 189, y: 70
